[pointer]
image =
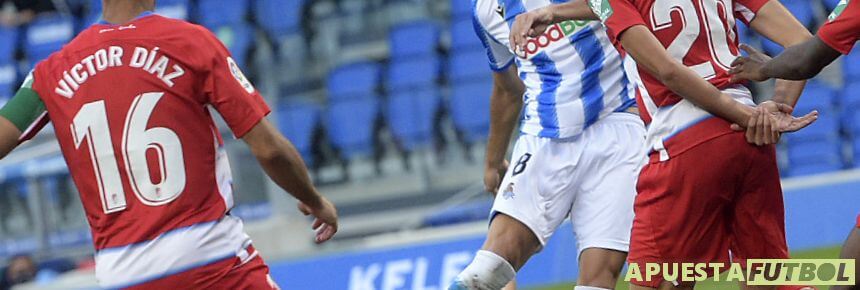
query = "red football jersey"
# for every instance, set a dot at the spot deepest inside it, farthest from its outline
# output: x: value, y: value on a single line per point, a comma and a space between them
x: 842, y: 30
x: 130, y: 108
x: 702, y: 35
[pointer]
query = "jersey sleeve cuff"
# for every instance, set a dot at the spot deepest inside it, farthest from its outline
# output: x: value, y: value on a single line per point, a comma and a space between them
x: 825, y: 37
x: 244, y: 127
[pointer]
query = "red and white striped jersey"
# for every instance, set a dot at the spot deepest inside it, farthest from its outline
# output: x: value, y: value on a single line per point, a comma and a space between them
x: 702, y: 35
x: 130, y: 107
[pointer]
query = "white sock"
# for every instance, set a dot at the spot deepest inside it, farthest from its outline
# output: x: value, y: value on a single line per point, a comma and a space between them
x: 589, y: 288
x: 487, y: 271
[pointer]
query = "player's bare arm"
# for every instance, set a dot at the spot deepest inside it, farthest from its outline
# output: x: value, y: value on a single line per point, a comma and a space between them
x: 776, y: 23
x: 9, y: 135
x: 505, y: 104
x: 284, y: 165
x: 651, y: 55
x: 798, y: 62
x: 535, y: 22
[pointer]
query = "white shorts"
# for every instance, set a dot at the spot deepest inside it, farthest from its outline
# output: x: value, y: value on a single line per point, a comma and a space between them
x: 591, y: 178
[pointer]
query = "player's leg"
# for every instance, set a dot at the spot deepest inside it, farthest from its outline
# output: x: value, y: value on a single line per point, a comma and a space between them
x: 531, y: 203
x: 758, y: 212
x: 602, y: 212
x: 851, y: 250
x: 681, y: 208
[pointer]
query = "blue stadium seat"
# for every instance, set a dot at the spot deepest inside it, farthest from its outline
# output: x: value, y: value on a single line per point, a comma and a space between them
x: 238, y: 39
x: 467, y: 65
x: 411, y: 73
x: 849, y: 97
x: 770, y: 47
x: 356, y: 80
x: 177, y: 9
x: 469, y: 105
x: 8, y: 80
x: 745, y: 36
x: 410, y: 116
x: 414, y: 39
x: 279, y: 18
x: 802, y: 10
x: 461, y: 9
x: 816, y: 96
x: 297, y: 120
x: 8, y: 43
x: 826, y: 128
x: 851, y: 65
x: 817, y: 156
x: 350, y: 125
x: 46, y: 35
x: 217, y: 13
x: 463, y: 35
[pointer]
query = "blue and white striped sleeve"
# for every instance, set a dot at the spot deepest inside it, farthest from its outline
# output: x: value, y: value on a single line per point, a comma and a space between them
x: 499, y: 55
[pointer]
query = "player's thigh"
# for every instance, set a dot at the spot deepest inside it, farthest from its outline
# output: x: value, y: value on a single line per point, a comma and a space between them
x: 758, y: 213
x: 536, y: 190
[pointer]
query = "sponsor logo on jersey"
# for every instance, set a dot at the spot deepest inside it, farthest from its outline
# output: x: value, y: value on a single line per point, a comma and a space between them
x: 500, y: 10
x: 240, y: 77
x: 552, y: 35
x: 838, y: 10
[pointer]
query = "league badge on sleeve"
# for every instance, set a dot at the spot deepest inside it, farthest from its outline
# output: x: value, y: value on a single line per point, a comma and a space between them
x: 240, y: 77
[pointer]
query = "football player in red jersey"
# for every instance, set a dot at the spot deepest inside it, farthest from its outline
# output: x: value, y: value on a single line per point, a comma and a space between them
x: 699, y: 197
x: 804, y: 61
x: 129, y: 100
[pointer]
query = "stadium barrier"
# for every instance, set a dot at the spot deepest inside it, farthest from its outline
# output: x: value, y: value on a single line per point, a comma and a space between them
x: 820, y: 211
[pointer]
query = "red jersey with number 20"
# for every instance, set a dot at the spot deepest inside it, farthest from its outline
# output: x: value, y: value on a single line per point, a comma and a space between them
x: 130, y: 108
x: 702, y: 35
x: 842, y: 29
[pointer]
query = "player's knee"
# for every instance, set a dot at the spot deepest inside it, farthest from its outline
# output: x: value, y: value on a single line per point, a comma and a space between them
x: 487, y: 271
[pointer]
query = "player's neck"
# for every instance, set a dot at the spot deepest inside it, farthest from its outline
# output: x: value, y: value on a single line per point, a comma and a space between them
x: 122, y: 11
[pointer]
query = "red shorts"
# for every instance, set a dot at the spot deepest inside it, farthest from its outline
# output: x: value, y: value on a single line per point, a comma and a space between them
x: 227, y: 274
x: 721, y: 195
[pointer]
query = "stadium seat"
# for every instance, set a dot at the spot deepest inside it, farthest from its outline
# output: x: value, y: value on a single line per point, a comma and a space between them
x: 816, y: 96
x: 461, y: 9
x: 356, y: 80
x: 463, y: 35
x: 8, y: 43
x: 238, y: 39
x: 745, y: 36
x: 825, y: 128
x: 817, y: 156
x: 472, y: 211
x: 770, y: 47
x: 8, y: 80
x: 279, y: 18
x: 802, y: 10
x: 851, y: 65
x: 298, y: 120
x: 466, y: 65
x: 414, y: 39
x: 350, y: 125
x: 411, y: 73
x: 469, y: 106
x: 177, y: 9
x: 410, y: 116
x: 46, y: 35
x: 217, y: 13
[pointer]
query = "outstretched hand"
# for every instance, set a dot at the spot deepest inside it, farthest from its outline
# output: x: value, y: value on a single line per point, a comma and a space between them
x: 749, y: 67
x: 528, y: 25
x: 770, y: 120
x: 325, y: 219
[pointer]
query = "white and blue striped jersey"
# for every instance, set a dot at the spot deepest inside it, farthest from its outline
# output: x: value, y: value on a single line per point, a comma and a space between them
x: 573, y: 74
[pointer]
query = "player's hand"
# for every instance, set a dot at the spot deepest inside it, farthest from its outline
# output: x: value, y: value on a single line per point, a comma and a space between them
x: 770, y: 120
x: 325, y: 219
x: 493, y: 177
x: 749, y: 67
x: 526, y: 25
